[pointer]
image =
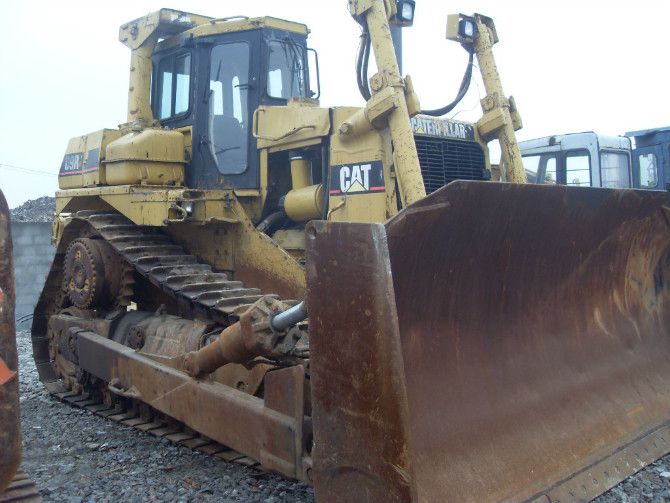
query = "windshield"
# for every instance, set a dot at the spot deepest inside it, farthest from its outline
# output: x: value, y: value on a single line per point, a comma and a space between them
x: 286, y: 70
x: 614, y: 170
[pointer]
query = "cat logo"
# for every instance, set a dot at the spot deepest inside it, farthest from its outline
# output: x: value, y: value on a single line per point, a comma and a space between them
x: 361, y: 178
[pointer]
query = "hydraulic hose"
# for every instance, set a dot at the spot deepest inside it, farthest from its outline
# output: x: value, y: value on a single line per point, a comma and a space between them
x: 271, y: 222
x: 465, y: 85
x: 362, y: 61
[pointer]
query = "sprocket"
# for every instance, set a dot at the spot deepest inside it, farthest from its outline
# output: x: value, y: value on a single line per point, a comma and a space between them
x: 92, y: 273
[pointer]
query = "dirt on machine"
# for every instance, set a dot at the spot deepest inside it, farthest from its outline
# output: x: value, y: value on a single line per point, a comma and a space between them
x: 339, y: 295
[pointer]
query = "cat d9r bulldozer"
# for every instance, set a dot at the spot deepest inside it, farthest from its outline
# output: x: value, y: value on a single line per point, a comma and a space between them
x: 337, y: 294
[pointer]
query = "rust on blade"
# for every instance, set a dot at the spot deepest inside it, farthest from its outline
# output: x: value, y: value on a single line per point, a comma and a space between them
x: 534, y: 326
x: 533, y: 323
x: 359, y: 407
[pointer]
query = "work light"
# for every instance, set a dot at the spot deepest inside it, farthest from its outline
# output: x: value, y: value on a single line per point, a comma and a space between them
x: 461, y: 28
x: 405, y: 12
x: 466, y: 28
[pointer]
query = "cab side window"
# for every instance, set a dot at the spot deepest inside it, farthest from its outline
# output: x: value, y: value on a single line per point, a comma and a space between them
x: 648, y: 170
x: 286, y: 70
x: 578, y: 168
x: 174, y: 79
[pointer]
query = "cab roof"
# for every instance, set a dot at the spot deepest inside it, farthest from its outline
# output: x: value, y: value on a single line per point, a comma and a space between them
x: 171, y: 26
x: 233, y: 25
x: 647, y: 132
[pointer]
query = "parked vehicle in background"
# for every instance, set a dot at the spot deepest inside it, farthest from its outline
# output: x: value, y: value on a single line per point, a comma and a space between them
x: 579, y: 159
x: 651, y: 158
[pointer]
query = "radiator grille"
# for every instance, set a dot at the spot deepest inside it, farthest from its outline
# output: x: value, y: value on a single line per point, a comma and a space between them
x: 444, y: 160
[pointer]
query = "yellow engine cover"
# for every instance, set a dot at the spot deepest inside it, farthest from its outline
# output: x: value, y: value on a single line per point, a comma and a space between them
x: 82, y: 164
x: 150, y: 156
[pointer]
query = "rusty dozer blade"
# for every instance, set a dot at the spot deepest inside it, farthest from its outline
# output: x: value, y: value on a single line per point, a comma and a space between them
x: 492, y: 342
x: 10, y: 432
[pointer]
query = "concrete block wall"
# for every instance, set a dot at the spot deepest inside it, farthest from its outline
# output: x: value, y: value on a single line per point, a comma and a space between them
x: 33, y: 254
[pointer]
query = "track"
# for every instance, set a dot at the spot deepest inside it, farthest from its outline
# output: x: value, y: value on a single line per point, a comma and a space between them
x: 21, y: 490
x: 171, y: 268
x: 196, y: 289
x: 141, y: 417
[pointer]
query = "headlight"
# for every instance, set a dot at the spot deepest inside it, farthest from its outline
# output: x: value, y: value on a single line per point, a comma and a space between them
x: 405, y: 12
x: 467, y: 28
x: 188, y: 207
x: 461, y: 28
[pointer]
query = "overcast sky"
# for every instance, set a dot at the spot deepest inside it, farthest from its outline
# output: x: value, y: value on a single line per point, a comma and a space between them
x: 571, y: 66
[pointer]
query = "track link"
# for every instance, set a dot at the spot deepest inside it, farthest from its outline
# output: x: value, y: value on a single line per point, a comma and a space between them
x: 142, y: 417
x: 171, y: 268
x: 202, y: 291
x: 21, y: 490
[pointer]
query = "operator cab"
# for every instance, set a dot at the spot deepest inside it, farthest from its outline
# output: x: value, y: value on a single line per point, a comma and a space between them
x: 213, y: 78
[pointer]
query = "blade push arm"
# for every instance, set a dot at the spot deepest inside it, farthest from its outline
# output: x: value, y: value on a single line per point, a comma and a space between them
x: 500, y: 119
x: 390, y: 96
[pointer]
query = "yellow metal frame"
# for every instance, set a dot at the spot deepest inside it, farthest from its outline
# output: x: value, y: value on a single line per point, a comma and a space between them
x: 157, y: 206
x: 232, y: 25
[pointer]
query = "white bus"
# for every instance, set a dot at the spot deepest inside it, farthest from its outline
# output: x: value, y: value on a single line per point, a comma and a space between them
x: 579, y: 159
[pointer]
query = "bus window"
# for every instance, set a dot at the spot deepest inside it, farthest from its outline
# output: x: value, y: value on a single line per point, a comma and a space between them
x: 614, y: 170
x: 578, y: 168
x: 540, y: 168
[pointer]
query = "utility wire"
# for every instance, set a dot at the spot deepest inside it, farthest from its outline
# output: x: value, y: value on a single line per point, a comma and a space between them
x: 26, y: 170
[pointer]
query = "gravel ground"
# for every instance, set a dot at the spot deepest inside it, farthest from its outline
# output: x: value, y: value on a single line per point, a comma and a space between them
x: 75, y: 456
x: 649, y: 485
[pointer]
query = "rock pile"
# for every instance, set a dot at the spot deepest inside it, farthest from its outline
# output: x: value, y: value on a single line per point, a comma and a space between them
x: 41, y: 209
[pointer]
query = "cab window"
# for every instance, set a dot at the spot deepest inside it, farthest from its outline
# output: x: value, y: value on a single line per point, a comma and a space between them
x: 286, y: 70
x: 614, y: 170
x: 648, y: 170
x: 578, y: 168
x: 229, y: 107
x: 540, y: 168
x: 174, y: 79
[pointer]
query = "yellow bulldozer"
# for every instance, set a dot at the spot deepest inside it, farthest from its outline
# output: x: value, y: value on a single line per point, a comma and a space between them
x: 337, y: 294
